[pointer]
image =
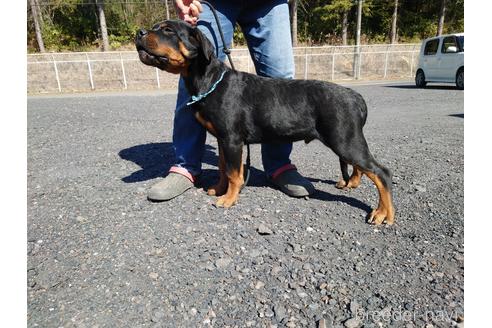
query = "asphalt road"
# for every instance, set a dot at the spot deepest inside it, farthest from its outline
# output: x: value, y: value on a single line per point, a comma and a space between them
x: 101, y: 255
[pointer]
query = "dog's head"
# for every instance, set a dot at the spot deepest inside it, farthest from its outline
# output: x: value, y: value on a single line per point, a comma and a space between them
x: 172, y: 46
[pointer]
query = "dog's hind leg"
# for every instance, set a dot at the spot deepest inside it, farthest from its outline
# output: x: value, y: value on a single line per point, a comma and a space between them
x: 234, y: 172
x: 382, y: 179
x: 356, y: 152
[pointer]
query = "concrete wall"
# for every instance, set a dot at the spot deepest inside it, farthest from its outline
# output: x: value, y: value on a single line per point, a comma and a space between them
x: 109, y: 71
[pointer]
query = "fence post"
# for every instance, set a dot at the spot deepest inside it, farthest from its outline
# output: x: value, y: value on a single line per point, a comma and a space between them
x: 333, y: 65
x: 90, y: 70
x: 123, y: 71
x: 356, y: 62
x: 305, y: 64
x: 157, y: 78
x: 56, y: 73
x: 360, y: 64
x: 411, y: 63
x: 386, y: 62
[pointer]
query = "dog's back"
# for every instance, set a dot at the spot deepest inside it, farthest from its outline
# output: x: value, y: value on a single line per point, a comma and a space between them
x: 293, y: 110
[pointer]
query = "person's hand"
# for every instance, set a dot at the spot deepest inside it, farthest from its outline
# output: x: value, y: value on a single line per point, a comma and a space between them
x: 188, y: 10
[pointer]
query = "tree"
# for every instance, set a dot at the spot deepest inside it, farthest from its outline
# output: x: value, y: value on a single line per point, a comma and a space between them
x: 394, y: 35
x: 82, y: 25
x: 293, y: 21
x: 344, y: 26
x: 167, y: 9
x: 36, y: 17
x: 441, y: 17
x: 102, y: 23
x: 359, y: 22
x: 357, y: 40
x: 327, y: 22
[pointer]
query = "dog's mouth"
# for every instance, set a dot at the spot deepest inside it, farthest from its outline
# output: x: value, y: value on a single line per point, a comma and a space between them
x: 149, y: 58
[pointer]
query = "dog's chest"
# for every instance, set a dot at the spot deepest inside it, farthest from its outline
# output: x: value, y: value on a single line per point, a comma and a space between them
x: 205, y: 122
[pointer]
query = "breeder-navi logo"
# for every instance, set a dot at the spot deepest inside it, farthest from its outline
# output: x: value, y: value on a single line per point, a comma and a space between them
x: 401, y: 315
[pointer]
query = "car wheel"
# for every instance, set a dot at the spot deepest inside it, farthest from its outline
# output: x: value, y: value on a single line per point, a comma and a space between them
x: 420, y: 79
x: 460, y: 79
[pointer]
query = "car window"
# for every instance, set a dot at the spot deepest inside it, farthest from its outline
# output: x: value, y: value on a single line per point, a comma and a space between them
x: 431, y: 47
x: 461, y: 40
x: 449, y: 45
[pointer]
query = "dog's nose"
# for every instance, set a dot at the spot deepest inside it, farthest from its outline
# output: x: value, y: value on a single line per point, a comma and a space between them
x: 142, y: 32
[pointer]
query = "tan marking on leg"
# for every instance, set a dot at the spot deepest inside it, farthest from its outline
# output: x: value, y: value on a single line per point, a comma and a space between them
x: 354, y: 180
x: 206, y: 124
x: 385, y: 208
x: 341, y: 184
x: 236, y: 181
x: 220, y: 187
x: 241, y: 172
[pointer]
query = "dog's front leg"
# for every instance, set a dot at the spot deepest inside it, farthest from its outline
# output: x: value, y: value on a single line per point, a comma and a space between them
x: 220, y: 188
x: 234, y: 171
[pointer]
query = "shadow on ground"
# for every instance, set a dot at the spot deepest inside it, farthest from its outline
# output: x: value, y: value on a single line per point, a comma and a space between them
x: 210, y: 177
x: 325, y: 196
x: 430, y: 87
x: 155, y: 160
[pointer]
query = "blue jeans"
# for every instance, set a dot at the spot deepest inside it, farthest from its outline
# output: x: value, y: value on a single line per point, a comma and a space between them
x: 266, y: 27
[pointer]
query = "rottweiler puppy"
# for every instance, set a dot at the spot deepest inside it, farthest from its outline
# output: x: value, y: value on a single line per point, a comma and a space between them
x: 239, y: 108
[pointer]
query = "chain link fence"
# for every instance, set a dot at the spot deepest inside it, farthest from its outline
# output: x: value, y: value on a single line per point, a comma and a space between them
x: 106, y: 71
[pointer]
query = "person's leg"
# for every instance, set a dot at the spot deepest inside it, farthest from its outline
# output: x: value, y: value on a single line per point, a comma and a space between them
x: 188, y: 135
x: 266, y: 27
x: 267, y: 30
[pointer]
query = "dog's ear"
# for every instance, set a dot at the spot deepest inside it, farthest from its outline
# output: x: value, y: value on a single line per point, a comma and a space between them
x: 193, y: 42
x: 187, y: 46
x: 205, y: 47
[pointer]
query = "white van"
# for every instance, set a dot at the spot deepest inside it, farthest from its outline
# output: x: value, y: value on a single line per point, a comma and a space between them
x: 442, y: 59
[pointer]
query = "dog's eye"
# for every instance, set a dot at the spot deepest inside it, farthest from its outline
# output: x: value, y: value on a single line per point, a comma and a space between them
x: 168, y: 29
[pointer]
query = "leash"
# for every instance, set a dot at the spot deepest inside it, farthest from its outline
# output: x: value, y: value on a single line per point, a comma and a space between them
x: 227, y: 51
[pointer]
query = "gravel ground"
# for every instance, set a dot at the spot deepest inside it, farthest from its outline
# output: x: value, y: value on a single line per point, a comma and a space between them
x: 101, y: 255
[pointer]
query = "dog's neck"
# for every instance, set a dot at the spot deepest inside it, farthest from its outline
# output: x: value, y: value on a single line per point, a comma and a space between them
x: 202, y: 75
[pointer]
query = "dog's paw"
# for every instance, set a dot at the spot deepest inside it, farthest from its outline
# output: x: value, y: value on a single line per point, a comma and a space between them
x: 341, y: 184
x: 217, y: 190
x: 380, y: 216
x: 226, y: 201
x: 351, y: 184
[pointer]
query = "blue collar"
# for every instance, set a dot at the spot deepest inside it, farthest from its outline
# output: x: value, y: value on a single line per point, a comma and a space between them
x: 197, y: 98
